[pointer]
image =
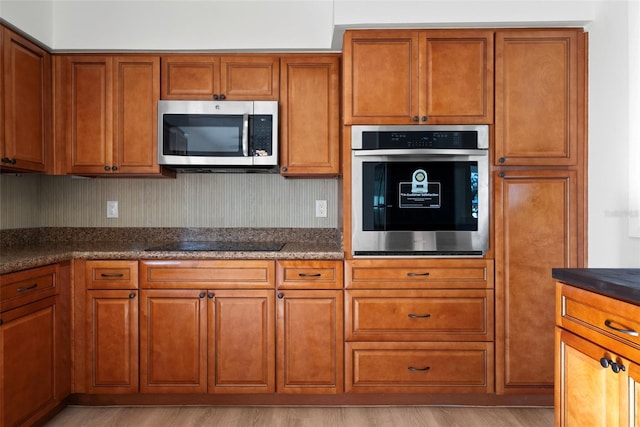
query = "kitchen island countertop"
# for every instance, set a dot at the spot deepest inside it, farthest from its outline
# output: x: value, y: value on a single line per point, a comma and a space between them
x: 619, y: 283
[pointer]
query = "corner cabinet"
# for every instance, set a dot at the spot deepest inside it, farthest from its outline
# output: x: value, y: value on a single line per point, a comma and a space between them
x: 597, y: 359
x: 418, y: 77
x: 25, y: 108
x: 231, y: 77
x: 107, y: 114
x: 310, y: 115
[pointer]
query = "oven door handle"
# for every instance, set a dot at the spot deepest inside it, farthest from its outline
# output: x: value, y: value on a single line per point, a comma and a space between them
x: 431, y: 152
x: 245, y: 135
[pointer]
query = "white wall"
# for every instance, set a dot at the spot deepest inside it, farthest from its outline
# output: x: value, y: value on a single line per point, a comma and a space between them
x: 318, y: 25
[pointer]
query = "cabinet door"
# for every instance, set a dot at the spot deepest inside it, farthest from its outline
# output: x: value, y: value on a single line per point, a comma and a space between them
x: 456, y: 76
x: 587, y: 393
x: 241, y: 342
x: 27, y: 369
x: 310, y: 342
x: 173, y: 341
x: 190, y: 77
x: 250, y: 78
x: 634, y: 404
x: 380, y: 77
x: 539, y: 96
x: 89, y: 108
x: 27, y: 104
x: 535, y: 229
x: 112, y: 342
x: 137, y: 90
x: 309, y: 124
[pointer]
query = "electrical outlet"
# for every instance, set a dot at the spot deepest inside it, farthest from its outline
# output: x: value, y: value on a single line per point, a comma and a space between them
x: 112, y: 209
x: 321, y: 208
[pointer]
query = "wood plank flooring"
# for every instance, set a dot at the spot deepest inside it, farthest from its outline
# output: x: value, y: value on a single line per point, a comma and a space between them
x: 391, y: 416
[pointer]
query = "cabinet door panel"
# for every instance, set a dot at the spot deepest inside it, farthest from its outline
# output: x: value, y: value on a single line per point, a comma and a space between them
x: 380, y: 77
x: 173, y: 341
x: 537, y: 100
x: 27, y: 103
x: 137, y: 81
x: 309, y: 124
x: 457, y: 76
x: 112, y: 318
x: 310, y: 342
x: 242, y: 342
x: 28, y: 362
x: 536, y: 217
x: 250, y: 78
x: 589, y: 394
x: 90, y: 114
x: 190, y: 77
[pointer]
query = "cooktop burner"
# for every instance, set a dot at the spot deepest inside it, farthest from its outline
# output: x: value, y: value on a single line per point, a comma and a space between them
x: 219, y: 246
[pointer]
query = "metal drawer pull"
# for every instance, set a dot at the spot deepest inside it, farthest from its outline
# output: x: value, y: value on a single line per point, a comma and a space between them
x: 309, y: 274
x: 631, y: 332
x: 112, y: 275
x: 426, y: 368
x: 26, y: 288
x: 417, y: 274
x: 419, y: 316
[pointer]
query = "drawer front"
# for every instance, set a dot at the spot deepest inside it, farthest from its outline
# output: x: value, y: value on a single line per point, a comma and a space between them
x: 419, y: 367
x: 26, y: 286
x: 419, y: 315
x: 587, y: 313
x: 309, y: 274
x: 226, y: 274
x: 419, y: 274
x: 112, y: 274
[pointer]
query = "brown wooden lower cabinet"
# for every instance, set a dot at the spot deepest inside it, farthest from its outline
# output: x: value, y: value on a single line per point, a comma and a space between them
x: 35, y: 367
x: 310, y: 341
x: 112, y: 346
x: 199, y: 341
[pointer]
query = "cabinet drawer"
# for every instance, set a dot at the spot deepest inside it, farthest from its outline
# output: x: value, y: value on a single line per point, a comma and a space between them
x: 419, y: 367
x: 26, y: 286
x: 613, y: 323
x: 419, y: 274
x: 225, y: 274
x: 419, y: 315
x: 309, y: 274
x: 112, y: 274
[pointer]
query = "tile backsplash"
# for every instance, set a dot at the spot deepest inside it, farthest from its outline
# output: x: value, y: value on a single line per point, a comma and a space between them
x: 190, y: 200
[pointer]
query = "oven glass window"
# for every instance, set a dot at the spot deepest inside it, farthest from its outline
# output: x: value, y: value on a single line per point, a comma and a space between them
x: 202, y: 135
x: 420, y: 196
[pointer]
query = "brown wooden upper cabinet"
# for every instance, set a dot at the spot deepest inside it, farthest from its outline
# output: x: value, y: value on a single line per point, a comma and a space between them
x: 207, y: 77
x: 540, y: 100
x: 25, y: 93
x: 310, y: 115
x: 109, y: 110
x: 418, y: 77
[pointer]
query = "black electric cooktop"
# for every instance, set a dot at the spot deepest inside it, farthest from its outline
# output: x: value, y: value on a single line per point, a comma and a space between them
x: 219, y: 246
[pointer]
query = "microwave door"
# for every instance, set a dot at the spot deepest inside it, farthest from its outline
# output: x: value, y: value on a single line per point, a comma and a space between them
x: 245, y: 135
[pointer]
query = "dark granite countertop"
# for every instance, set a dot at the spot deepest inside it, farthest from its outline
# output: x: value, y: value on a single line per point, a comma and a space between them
x: 110, y: 244
x: 618, y: 283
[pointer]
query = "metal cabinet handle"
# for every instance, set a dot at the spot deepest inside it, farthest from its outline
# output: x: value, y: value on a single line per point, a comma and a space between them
x: 280, y: 295
x: 426, y: 368
x: 417, y: 274
x: 631, y: 332
x: 309, y: 274
x: 26, y: 288
x: 132, y: 295
x: 419, y: 316
x: 111, y: 275
x: 211, y: 295
x: 202, y: 294
x: 615, y: 367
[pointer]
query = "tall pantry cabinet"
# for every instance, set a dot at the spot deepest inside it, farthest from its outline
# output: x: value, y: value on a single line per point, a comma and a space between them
x: 539, y: 186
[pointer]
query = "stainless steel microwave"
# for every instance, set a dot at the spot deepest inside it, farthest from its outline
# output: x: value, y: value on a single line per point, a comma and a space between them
x: 214, y: 134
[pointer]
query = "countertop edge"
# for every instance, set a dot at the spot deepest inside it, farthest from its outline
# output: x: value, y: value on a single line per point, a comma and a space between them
x: 614, y: 283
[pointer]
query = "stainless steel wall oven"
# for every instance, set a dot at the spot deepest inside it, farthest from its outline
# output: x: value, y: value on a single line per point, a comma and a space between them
x: 420, y: 190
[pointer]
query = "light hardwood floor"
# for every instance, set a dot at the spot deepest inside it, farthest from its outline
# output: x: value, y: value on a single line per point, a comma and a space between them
x: 392, y: 416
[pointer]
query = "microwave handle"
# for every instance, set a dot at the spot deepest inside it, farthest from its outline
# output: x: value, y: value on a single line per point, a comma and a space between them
x: 245, y: 135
